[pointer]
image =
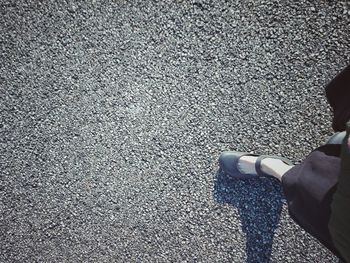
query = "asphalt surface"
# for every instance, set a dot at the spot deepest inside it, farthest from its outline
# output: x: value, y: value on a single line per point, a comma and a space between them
x: 113, y: 116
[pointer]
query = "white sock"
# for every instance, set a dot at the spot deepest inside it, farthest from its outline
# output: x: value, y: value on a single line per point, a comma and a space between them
x: 275, y: 167
x: 271, y: 166
x: 246, y: 164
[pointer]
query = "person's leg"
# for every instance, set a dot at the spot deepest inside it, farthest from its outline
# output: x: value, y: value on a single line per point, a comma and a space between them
x: 338, y: 94
x: 271, y: 166
x: 309, y: 187
x: 336, y: 138
x: 276, y: 167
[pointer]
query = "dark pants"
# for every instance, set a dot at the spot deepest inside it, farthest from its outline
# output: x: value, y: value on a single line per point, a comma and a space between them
x: 309, y: 186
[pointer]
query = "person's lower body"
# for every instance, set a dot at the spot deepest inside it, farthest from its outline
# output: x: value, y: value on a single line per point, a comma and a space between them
x: 308, y: 186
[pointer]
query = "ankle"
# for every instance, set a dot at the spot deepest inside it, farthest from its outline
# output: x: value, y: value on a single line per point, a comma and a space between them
x: 275, y: 167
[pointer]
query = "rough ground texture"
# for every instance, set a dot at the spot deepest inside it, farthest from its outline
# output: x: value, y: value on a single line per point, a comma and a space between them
x: 113, y: 116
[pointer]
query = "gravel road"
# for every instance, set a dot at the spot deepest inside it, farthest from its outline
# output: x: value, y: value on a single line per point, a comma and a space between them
x: 113, y: 115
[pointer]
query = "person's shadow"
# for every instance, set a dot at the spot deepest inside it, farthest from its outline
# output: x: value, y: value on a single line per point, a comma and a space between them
x: 259, y: 202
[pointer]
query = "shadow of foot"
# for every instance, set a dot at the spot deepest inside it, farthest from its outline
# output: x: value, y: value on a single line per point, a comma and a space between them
x: 259, y: 202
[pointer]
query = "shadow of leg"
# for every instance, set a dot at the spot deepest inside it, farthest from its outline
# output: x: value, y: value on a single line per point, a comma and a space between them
x: 259, y: 202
